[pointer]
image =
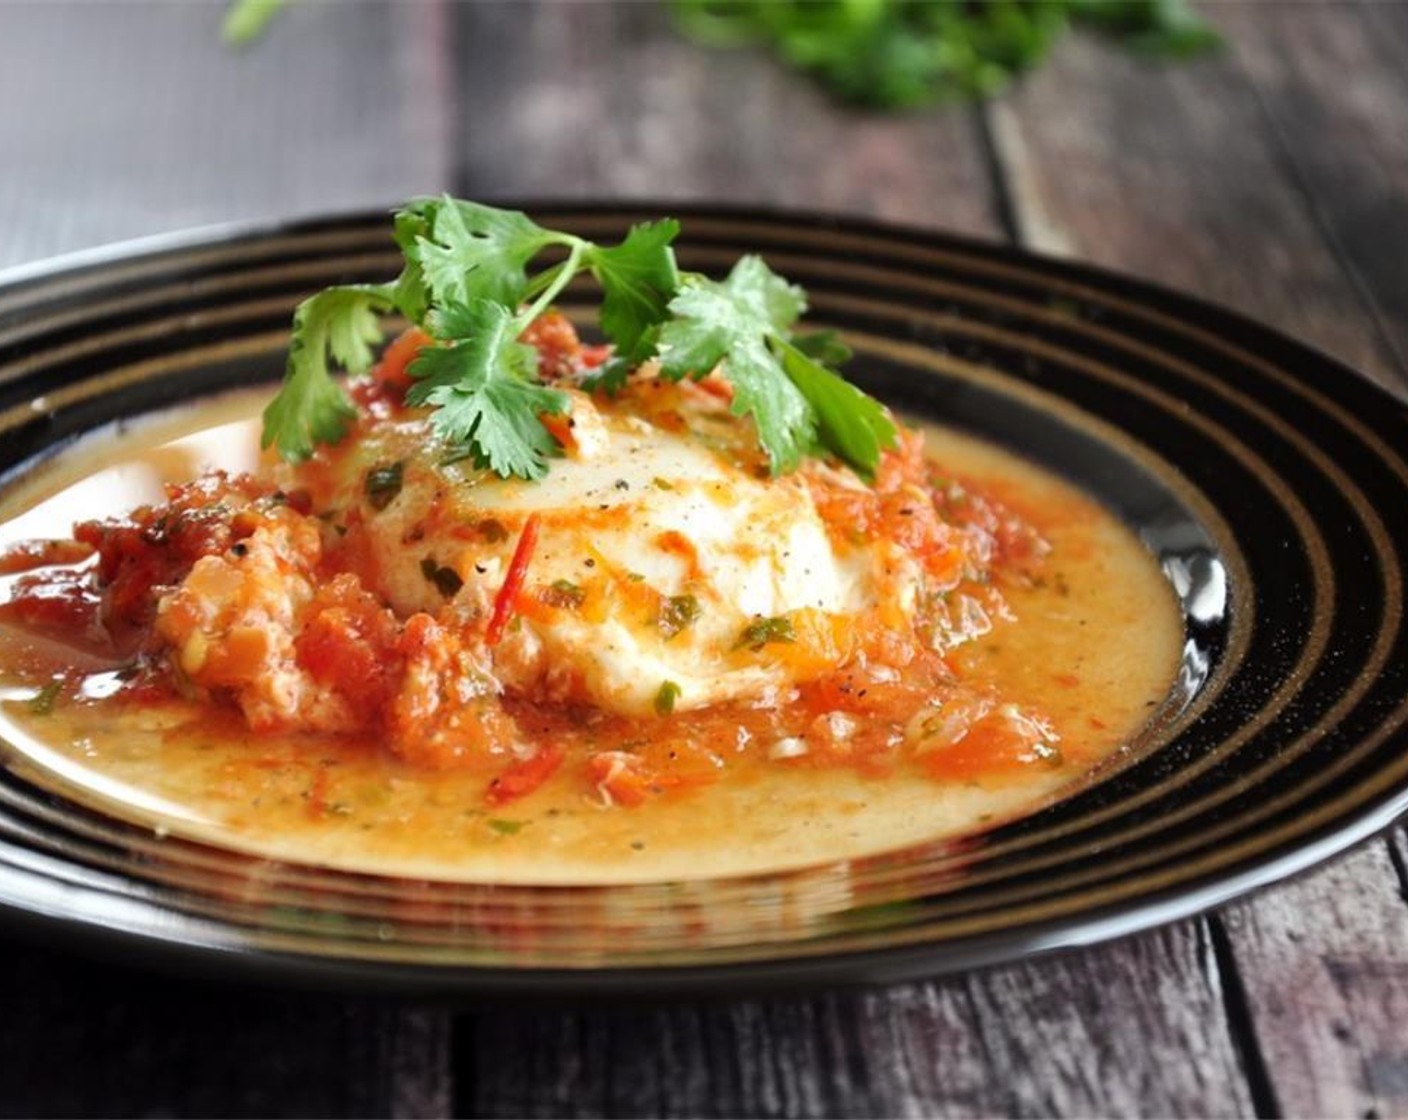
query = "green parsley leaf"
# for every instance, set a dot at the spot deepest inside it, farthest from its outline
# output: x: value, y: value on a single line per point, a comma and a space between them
x: 481, y: 388
x: 467, y: 280
x: 897, y: 54
x: 638, y: 279
x: 731, y: 323
x: 849, y: 423
x: 825, y: 347
x: 311, y: 408
x: 759, y: 287
x: 666, y: 697
x: 470, y: 251
x: 677, y: 613
x: 410, y: 292
x: 766, y: 631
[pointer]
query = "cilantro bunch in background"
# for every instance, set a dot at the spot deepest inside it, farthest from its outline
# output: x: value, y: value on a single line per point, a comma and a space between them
x: 476, y: 276
x: 898, y: 54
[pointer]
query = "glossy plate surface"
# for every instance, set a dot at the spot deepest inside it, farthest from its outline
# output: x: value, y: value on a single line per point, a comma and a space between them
x: 1267, y: 478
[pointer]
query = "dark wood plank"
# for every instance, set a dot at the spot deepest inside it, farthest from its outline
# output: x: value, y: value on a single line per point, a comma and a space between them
x: 608, y: 101
x: 1188, y: 178
x: 122, y: 120
x: 1130, y: 1029
x: 1173, y: 174
x: 1333, y: 82
x: 81, y: 1038
x: 1325, y: 965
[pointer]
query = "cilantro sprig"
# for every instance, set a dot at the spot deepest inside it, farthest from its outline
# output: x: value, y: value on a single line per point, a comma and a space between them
x: 474, y: 278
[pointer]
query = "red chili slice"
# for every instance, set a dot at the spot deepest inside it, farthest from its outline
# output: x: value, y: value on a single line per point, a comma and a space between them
x: 507, y: 599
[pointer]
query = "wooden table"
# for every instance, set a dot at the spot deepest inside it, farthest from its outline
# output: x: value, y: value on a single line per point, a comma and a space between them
x: 1273, y: 178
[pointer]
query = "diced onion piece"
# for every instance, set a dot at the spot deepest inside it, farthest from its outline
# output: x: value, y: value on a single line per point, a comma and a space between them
x: 790, y: 747
x: 841, y: 726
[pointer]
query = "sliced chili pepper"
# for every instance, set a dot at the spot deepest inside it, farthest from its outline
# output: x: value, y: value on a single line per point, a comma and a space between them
x: 522, y: 778
x: 507, y: 599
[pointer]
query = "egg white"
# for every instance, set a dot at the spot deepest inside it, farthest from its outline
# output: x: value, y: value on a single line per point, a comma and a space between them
x: 659, y: 508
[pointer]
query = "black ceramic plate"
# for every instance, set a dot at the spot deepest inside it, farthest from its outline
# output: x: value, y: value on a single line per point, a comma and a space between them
x: 1267, y: 478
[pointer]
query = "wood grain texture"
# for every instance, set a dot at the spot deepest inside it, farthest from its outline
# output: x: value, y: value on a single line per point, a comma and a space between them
x: 1085, y: 1034
x: 80, y: 1038
x: 607, y: 101
x: 1333, y: 83
x: 1324, y: 962
x: 1174, y: 175
x: 123, y: 120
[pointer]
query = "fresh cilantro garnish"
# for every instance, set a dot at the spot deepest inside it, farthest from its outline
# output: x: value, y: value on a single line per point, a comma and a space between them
x: 898, y: 54
x: 637, y: 278
x: 824, y: 346
x: 468, y: 252
x: 797, y: 403
x: 486, y: 401
x: 474, y: 278
x: 847, y: 421
x: 734, y: 323
x: 310, y: 408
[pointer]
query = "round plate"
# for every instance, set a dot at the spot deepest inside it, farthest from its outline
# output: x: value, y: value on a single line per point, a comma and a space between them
x: 1261, y: 473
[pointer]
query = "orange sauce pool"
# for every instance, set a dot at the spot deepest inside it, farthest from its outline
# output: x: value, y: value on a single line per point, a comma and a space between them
x: 1095, y: 647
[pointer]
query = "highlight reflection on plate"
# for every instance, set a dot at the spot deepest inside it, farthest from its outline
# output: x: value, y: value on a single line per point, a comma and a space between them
x: 1255, y: 470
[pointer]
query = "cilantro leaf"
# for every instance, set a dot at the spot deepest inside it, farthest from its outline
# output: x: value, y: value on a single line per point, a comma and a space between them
x: 638, y: 279
x: 410, y: 292
x: 786, y: 427
x: 825, y: 347
x: 849, y: 423
x: 754, y: 283
x: 310, y: 407
x: 903, y: 53
x: 731, y: 323
x: 610, y: 377
x: 469, y: 251
x: 481, y: 388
